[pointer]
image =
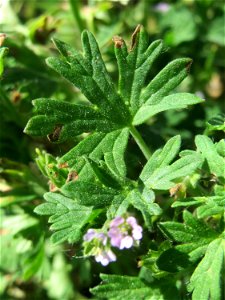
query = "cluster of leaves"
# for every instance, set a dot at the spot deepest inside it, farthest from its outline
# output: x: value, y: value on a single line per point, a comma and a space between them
x: 182, y: 252
x: 97, y: 183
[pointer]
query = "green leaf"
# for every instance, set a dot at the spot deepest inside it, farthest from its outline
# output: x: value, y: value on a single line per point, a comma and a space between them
x: 34, y: 261
x: 16, y: 195
x: 220, y: 148
x: 63, y: 213
x: 215, y: 162
x: 167, y: 79
x: 89, y: 74
x: 216, y: 123
x: 3, y: 52
x: 61, y: 120
x: 158, y: 174
x: 215, y: 32
x: 189, y: 201
x: 193, y: 237
x: 161, y: 157
x: 134, y: 65
x: 213, y: 205
x: 116, y: 287
x: 175, y: 101
x: 173, y: 260
x: 207, y: 280
x: 192, y: 230
x: 110, y: 109
x: 110, y: 147
x: 176, y: 18
x: 89, y: 194
x: 208, y: 206
x: 144, y: 201
x: 13, y: 224
x: 58, y: 283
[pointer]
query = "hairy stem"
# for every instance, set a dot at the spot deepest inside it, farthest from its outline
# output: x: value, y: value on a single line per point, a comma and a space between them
x: 75, y: 6
x: 141, y: 143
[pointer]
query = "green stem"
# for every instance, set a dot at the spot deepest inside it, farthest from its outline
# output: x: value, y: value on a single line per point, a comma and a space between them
x: 141, y: 143
x: 75, y: 6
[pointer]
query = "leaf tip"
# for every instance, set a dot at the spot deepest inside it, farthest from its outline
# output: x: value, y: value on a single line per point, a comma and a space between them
x: 118, y: 41
x: 134, y: 36
x: 188, y: 65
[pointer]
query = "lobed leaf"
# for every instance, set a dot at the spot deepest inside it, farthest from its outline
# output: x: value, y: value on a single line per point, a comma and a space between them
x: 194, y: 237
x: 214, y: 205
x: 89, y: 74
x: 164, y: 178
x: 207, y: 280
x: 192, y: 230
x: 66, y: 215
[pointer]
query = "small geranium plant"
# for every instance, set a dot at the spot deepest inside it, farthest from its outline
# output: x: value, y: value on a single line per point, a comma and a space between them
x: 166, y: 220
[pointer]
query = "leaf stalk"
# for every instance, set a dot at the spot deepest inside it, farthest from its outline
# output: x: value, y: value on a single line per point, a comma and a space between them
x: 141, y: 143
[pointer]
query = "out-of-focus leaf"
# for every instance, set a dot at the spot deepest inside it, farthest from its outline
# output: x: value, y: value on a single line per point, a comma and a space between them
x: 216, y: 123
x: 181, y: 24
x: 3, y: 52
x: 216, y: 31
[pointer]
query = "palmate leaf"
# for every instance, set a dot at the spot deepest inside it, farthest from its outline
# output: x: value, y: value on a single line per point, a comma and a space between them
x: 109, y: 117
x: 89, y: 74
x: 109, y: 109
x: 207, y: 281
x: 116, y: 287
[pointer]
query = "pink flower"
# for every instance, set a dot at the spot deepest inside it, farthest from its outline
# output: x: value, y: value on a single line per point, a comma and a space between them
x: 124, y: 233
x: 98, y: 248
x: 162, y: 7
x: 105, y: 257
